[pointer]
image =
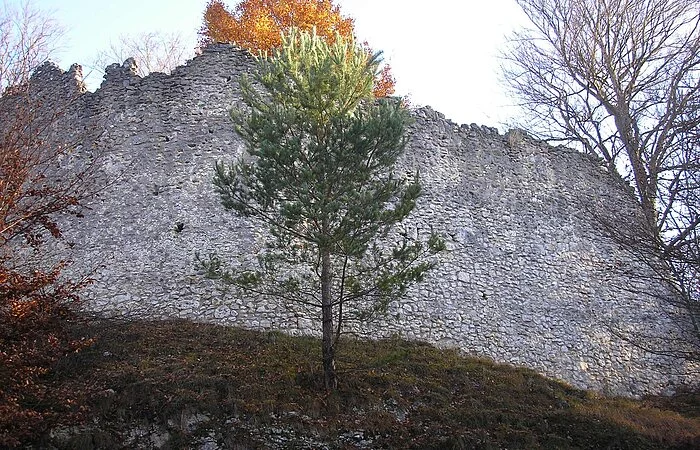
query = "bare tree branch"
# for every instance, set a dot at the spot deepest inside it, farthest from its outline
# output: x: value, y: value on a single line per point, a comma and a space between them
x: 620, y: 79
x: 153, y: 51
x: 28, y: 37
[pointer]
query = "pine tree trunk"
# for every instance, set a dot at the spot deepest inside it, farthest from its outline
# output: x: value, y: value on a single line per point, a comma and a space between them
x: 329, y: 376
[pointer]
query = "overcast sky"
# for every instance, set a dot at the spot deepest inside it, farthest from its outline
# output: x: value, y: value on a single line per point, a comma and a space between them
x: 444, y: 53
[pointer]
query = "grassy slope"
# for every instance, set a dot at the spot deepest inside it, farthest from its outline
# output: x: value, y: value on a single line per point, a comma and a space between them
x: 258, y: 390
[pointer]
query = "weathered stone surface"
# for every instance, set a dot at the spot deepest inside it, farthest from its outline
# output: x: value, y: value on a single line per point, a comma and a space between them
x: 530, y: 278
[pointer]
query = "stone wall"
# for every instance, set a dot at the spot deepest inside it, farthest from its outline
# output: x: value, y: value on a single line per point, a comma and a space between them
x: 530, y: 278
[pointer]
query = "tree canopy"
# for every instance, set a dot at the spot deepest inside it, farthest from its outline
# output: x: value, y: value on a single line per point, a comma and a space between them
x: 257, y: 25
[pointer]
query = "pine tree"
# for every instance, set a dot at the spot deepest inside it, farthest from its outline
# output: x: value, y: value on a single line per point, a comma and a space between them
x: 320, y: 149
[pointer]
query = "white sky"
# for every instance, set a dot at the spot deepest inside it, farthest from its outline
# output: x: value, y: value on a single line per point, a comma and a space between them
x: 443, y: 53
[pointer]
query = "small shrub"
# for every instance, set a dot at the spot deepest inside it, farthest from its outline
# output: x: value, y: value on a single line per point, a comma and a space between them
x: 36, y: 316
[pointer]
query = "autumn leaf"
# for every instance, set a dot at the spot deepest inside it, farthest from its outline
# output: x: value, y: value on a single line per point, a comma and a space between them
x: 257, y: 25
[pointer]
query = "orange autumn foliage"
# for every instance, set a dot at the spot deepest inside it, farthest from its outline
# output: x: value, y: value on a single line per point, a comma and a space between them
x: 385, y: 83
x: 256, y: 25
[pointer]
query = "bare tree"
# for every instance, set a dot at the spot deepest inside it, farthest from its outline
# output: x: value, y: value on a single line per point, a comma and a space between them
x: 28, y: 37
x: 153, y: 51
x: 620, y: 79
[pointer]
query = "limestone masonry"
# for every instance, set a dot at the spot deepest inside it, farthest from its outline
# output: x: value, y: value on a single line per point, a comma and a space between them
x: 530, y: 278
